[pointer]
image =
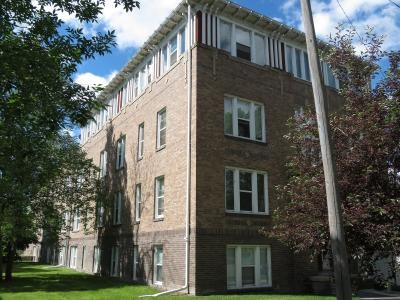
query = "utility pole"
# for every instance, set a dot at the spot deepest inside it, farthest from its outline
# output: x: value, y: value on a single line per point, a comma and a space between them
x: 341, y: 268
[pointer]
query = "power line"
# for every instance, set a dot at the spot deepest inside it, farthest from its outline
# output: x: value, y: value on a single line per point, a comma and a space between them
x: 394, y: 3
x: 348, y: 19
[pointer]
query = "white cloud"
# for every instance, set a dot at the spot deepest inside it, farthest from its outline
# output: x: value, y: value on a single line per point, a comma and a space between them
x: 131, y: 28
x: 379, y: 14
x: 90, y: 79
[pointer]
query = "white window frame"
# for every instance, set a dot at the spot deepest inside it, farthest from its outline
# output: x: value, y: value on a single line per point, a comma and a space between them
x: 235, y: 119
x: 120, y: 159
x: 96, y: 259
x: 138, y: 202
x: 257, y: 266
x: 117, y: 208
x: 254, y: 191
x: 158, y: 198
x: 160, y: 129
x: 103, y: 163
x: 157, y: 249
x: 73, y: 257
x: 76, y: 221
x: 114, y: 262
x: 140, y: 141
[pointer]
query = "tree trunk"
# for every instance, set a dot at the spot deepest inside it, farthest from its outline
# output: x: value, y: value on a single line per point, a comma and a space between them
x: 10, y: 260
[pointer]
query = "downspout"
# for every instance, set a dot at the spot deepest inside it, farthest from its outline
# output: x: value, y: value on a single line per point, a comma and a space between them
x: 188, y: 160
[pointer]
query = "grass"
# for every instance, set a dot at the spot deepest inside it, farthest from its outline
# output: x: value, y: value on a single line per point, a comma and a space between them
x: 35, y: 281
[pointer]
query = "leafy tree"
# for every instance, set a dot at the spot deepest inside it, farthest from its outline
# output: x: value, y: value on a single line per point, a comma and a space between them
x: 39, y: 55
x: 365, y: 135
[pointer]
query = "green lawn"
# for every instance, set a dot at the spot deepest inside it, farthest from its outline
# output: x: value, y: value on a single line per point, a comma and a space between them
x: 34, y: 281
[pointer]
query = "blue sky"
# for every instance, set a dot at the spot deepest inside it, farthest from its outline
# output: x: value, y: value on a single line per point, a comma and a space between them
x: 132, y: 29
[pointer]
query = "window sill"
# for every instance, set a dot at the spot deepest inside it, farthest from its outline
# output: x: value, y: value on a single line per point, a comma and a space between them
x: 158, y: 219
x: 161, y: 148
x: 239, y: 138
x: 245, y: 214
x: 263, y: 287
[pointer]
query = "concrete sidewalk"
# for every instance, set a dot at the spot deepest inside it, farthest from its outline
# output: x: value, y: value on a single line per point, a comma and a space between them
x: 371, y: 294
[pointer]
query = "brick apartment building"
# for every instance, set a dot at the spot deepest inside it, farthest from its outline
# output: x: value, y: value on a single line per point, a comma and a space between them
x: 190, y: 148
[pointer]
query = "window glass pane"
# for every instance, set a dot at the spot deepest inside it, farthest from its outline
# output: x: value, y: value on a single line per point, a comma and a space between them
x: 243, y: 51
x: 246, y: 201
x: 163, y: 120
x: 243, y: 36
x: 165, y: 58
x: 229, y: 193
x: 289, y: 59
x: 331, y: 78
x: 231, y: 267
x: 183, y: 41
x: 162, y: 137
x: 228, y: 116
x: 243, y: 110
x: 258, y: 121
x: 261, y: 194
x: 260, y: 49
x: 225, y: 36
x: 173, y: 50
x: 298, y: 63
x: 248, y: 276
x: 245, y: 181
x: 263, y: 265
x: 306, y: 66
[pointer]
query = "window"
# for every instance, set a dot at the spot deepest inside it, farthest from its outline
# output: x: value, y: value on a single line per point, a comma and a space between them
x: 225, y: 36
x: 136, y: 263
x: 161, y: 128
x: 297, y: 63
x: 158, y: 265
x: 329, y: 78
x: 138, y: 202
x: 120, y: 153
x: 100, y: 215
x: 149, y: 71
x: 260, y: 55
x: 66, y: 220
x: 136, y: 85
x: 140, y: 141
x: 83, y: 256
x: 173, y: 53
x: 159, y: 198
x: 143, y: 79
x: 248, y: 266
x: 96, y: 259
x: 182, y: 35
x: 164, y: 59
x: 61, y: 256
x: 244, y: 119
x: 117, y: 208
x: 243, y: 43
x: 73, y: 256
x: 114, y: 261
x: 103, y: 163
x: 76, y: 222
x: 246, y: 191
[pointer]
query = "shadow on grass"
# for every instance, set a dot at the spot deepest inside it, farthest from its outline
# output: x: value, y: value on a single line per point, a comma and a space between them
x: 31, y: 277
